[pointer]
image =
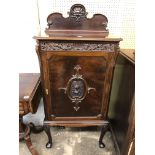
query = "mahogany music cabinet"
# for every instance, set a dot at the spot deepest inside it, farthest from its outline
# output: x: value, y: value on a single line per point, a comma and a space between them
x: 77, y: 58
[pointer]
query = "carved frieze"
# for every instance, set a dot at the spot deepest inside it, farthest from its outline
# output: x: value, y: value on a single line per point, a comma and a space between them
x: 77, y: 11
x: 76, y: 46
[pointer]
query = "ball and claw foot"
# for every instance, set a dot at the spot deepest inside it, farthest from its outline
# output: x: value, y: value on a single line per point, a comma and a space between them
x: 101, y: 145
x: 48, y: 145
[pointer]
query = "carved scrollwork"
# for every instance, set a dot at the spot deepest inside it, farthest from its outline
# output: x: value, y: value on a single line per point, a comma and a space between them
x: 77, y: 11
x: 77, y: 88
x: 58, y: 25
x: 76, y: 46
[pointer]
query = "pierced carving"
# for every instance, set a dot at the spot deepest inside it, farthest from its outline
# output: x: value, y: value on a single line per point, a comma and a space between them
x: 77, y: 11
x: 77, y: 88
x: 76, y: 46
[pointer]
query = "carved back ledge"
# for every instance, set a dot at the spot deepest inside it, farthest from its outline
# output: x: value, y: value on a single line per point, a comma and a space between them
x: 77, y: 23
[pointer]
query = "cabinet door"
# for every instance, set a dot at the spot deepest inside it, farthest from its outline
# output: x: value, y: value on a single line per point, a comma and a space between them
x: 79, y: 84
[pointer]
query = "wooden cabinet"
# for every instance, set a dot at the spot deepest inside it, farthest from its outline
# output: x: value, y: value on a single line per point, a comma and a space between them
x: 122, y: 102
x: 77, y: 59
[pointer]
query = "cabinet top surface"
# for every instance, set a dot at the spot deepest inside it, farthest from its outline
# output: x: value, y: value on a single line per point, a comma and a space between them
x: 93, y: 37
x: 27, y: 84
x: 129, y: 54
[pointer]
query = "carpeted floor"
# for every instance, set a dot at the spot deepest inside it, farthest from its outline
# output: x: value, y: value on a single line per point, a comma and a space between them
x: 67, y: 141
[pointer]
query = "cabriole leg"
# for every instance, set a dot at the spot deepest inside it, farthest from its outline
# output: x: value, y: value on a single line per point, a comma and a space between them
x: 47, y: 130
x: 104, y: 129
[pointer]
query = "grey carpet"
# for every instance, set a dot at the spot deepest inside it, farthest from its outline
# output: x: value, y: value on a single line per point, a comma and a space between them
x: 67, y: 141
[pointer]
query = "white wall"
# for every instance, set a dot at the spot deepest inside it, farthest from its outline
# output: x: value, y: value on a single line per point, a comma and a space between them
x: 28, y: 26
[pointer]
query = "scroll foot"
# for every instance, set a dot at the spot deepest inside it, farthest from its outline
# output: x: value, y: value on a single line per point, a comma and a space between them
x: 104, y: 129
x: 47, y: 130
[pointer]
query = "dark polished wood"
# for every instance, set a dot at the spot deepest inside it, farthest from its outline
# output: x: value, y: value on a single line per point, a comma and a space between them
x: 77, y: 23
x: 77, y: 123
x: 122, y: 109
x: 76, y: 64
x: 104, y: 129
x: 129, y: 144
x: 47, y: 130
x: 30, y: 93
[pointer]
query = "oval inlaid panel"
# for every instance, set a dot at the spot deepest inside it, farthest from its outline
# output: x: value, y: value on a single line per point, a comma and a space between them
x: 76, y: 89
